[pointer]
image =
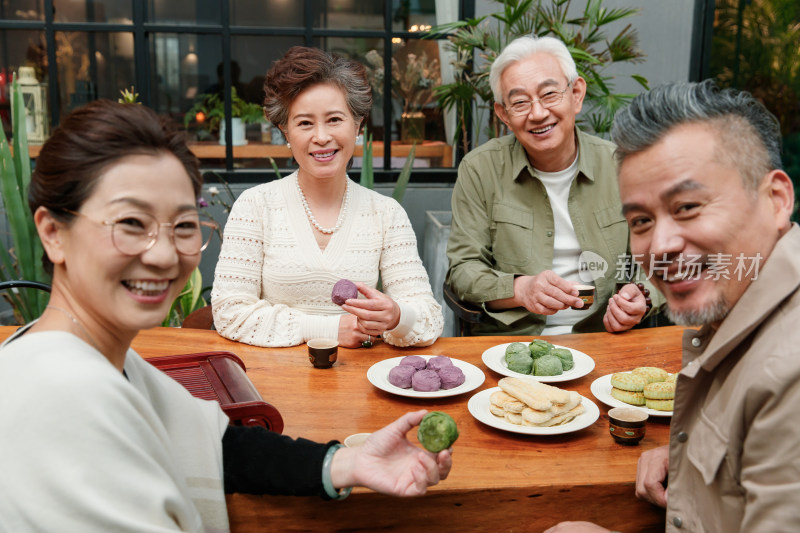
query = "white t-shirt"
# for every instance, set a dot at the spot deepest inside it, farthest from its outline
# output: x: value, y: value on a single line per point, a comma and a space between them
x: 567, y: 250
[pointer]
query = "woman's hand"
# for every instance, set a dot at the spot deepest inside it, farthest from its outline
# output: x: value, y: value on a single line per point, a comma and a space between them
x: 388, y: 463
x: 350, y: 336
x: 376, y: 313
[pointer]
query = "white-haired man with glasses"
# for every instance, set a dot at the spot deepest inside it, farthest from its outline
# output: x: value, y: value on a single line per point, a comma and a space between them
x: 538, y: 212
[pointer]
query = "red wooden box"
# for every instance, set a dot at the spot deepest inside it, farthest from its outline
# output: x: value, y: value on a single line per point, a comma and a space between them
x: 220, y: 376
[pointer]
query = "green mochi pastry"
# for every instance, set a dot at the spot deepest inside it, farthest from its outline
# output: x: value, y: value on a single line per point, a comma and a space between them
x: 547, y: 365
x: 539, y: 348
x: 566, y: 357
x: 437, y: 431
x: 518, y: 358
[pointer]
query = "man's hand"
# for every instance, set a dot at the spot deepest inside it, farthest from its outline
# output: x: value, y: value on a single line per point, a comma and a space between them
x: 545, y: 293
x: 625, y: 309
x: 650, y: 476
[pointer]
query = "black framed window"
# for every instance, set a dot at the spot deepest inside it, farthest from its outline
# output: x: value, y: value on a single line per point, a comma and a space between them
x: 176, y: 53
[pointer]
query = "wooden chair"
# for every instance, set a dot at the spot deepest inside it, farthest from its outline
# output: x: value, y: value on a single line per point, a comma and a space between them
x: 467, y: 314
x: 199, y: 319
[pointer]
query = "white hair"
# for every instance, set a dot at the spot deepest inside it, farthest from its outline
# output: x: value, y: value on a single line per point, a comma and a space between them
x: 523, y: 47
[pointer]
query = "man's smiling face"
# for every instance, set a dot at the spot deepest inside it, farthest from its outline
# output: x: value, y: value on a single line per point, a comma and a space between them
x: 548, y: 135
x: 686, y: 204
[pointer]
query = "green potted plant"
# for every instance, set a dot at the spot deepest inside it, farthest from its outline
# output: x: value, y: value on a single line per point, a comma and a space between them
x: 21, y: 259
x: 209, y: 113
x: 475, y: 44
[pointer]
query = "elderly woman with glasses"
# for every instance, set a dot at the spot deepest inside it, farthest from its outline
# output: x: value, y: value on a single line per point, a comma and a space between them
x: 288, y: 242
x: 96, y: 439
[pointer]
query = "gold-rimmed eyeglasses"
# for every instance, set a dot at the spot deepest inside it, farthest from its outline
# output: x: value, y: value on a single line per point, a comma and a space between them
x: 549, y: 99
x: 136, y: 232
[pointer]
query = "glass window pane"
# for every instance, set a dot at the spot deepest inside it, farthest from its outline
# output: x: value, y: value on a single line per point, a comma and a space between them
x: 91, y: 66
x: 172, y: 12
x: 22, y: 10
x: 93, y: 11
x: 22, y: 48
x: 416, y: 15
x: 756, y: 47
x: 271, y: 13
x: 349, y: 14
x: 416, y: 72
x: 184, y: 66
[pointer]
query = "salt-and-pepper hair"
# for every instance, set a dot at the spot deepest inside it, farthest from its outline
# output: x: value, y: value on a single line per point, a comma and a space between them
x: 523, y: 47
x: 748, y: 136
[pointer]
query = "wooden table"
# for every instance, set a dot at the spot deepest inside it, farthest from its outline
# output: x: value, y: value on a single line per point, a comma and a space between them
x: 440, y: 152
x: 500, y: 481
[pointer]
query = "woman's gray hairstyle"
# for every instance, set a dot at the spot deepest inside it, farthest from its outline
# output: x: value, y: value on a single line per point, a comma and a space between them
x: 522, y: 47
x: 303, y: 67
x: 748, y: 135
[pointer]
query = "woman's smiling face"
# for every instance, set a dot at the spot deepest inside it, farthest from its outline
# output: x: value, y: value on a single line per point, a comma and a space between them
x: 322, y: 131
x: 123, y: 292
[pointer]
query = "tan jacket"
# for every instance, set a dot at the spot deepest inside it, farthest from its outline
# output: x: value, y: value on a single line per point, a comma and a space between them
x: 735, y: 435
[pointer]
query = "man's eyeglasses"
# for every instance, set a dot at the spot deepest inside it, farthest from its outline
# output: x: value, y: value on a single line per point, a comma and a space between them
x: 549, y: 99
x: 135, y: 233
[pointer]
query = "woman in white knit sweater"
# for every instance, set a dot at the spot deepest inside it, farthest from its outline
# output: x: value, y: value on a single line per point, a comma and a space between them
x: 289, y: 241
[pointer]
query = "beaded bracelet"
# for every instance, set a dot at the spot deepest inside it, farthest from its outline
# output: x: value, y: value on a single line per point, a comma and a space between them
x: 327, y: 483
x: 647, y: 299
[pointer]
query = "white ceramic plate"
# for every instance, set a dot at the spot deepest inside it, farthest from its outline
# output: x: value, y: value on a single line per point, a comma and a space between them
x: 378, y: 375
x: 478, y: 407
x: 601, y: 388
x: 495, y: 358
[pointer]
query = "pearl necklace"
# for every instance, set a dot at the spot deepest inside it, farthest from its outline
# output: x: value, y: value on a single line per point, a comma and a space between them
x: 313, y: 219
x: 75, y: 320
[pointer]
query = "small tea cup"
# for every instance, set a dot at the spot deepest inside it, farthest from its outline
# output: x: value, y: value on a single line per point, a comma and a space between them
x: 627, y: 424
x: 585, y: 293
x: 356, y: 439
x: 322, y: 353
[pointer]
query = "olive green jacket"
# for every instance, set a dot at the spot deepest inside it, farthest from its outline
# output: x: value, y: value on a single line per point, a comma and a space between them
x: 503, y: 226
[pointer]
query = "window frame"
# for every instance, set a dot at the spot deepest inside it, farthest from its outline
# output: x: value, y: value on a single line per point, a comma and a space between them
x: 142, y: 31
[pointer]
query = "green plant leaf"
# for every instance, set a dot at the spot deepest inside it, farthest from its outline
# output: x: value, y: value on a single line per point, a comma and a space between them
x: 367, y: 178
x: 405, y: 175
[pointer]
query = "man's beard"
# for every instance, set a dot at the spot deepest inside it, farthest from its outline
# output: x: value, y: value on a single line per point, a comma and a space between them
x: 711, y: 313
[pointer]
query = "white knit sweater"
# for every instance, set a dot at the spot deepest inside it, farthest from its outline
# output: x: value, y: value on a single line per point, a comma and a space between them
x: 272, y: 285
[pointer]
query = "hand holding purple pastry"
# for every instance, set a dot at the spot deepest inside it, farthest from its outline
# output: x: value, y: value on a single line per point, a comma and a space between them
x: 376, y: 312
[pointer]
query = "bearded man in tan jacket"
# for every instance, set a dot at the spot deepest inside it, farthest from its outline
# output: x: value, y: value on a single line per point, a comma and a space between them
x: 709, y: 207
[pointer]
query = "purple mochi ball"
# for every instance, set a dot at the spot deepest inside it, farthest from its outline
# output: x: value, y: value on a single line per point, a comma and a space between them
x: 439, y: 362
x: 426, y: 381
x: 343, y: 290
x: 400, y: 376
x: 414, y: 360
x: 451, y: 377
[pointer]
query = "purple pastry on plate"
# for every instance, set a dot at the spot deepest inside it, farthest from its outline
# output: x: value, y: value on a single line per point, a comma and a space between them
x: 451, y: 377
x: 439, y: 362
x: 414, y: 360
x: 426, y: 381
x: 400, y: 376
